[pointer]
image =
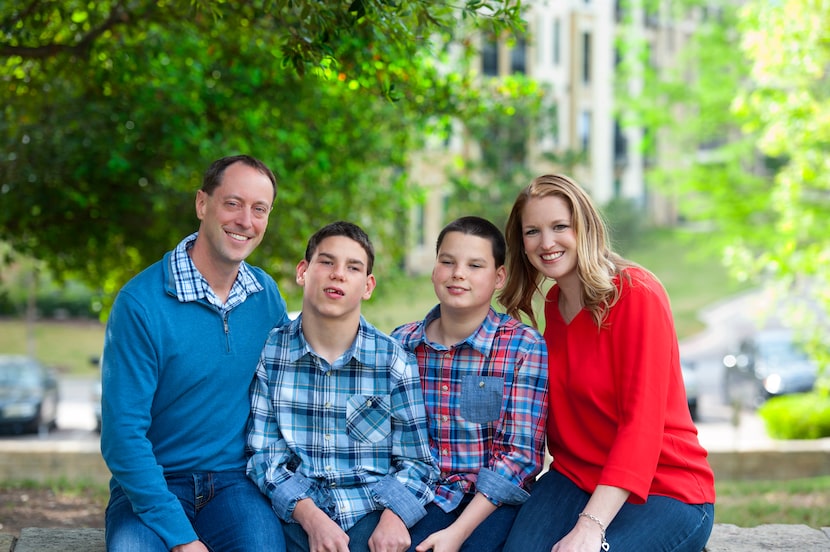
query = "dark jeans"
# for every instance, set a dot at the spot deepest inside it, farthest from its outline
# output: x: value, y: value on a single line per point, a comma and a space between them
x: 489, y: 536
x: 237, y: 517
x: 297, y: 539
x: 662, y: 524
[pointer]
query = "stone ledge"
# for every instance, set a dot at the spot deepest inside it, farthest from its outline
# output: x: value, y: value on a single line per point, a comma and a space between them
x: 725, y: 538
x: 731, y: 538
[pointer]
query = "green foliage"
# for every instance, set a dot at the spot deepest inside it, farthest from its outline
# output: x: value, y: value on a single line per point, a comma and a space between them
x: 746, y: 111
x: 507, y: 115
x: 625, y: 219
x: 752, y: 503
x: 112, y: 111
x: 800, y: 416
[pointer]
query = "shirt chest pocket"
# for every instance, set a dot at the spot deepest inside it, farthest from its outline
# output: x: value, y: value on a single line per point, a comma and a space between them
x: 481, y: 398
x: 368, y: 418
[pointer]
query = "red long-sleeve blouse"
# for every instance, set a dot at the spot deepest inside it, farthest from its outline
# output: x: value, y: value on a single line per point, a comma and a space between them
x: 617, y: 405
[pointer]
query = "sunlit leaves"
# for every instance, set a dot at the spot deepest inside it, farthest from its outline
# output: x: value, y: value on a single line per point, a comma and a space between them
x: 123, y: 105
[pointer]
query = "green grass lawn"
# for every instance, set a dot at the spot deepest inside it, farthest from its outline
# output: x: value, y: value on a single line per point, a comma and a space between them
x: 67, y: 346
x: 693, y: 277
x: 751, y: 503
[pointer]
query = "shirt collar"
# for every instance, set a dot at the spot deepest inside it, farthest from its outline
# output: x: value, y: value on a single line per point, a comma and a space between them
x: 480, y: 340
x: 192, y: 286
x: 362, y: 348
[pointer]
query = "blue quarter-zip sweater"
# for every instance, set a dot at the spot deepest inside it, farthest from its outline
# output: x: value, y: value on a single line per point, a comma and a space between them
x: 176, y: 377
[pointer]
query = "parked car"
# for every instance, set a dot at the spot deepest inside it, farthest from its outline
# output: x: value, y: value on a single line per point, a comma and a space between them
x: 767, y: 364
x: 96, y: 394
x: 690, y: 381
x: 28, y: 395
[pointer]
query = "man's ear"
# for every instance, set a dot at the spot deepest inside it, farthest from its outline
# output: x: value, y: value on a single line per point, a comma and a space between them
x: 201, y: 204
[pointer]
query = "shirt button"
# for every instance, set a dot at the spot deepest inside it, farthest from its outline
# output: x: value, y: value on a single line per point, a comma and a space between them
x: 329, y: 468
x: 327, y: 437
x: 444, y: 388
x: 369, y: 403
x: 327, y: 405
x: 445, y: 452
x: 481, y: 384
x: 444, y: 418
x: 328, y: 373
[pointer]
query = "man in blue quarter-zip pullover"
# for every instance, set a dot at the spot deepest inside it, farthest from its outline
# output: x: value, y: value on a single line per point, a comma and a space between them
x: 180, y: 352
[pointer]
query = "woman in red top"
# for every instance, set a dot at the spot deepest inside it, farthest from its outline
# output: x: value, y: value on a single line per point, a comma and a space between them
x: 628, y: 471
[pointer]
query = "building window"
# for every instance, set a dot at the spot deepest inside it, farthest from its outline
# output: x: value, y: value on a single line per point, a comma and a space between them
x: 586, y: 58
x: 517, y: 57
x: 557, y: 29
x: 490, y: 56
x: 584, y: 130
x: 420, y: 226
x: 620, y: 146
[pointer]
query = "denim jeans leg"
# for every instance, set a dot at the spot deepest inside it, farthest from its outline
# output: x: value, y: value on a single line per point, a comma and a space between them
x: 296, y: 539
x: 234, y: 516
x: 548, y: 515
x: 489, y: 536
x: 662, y: 524
x: 361, y: 531
x: 435, y: 520
x: 124, y: 531
x: 491, y: 533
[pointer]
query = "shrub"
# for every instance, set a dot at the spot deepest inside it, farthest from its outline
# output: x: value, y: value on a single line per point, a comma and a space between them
x: 799, y: 416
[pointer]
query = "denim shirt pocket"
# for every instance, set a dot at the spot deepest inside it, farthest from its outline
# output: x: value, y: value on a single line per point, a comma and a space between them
x: 368, y: 418
x: 481, y: 398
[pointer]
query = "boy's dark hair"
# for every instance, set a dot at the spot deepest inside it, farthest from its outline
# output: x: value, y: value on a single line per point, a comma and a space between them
x: 477, y: 226
x: 348, y: 230
x: 214, y: 173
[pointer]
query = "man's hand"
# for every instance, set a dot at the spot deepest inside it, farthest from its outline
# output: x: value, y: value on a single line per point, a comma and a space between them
x: 324, y: 535
x: 195, y: 546
x: 390, y: 535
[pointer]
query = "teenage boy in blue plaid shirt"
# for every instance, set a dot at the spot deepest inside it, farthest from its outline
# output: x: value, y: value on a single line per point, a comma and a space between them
x: 484, y: 376
x: 338, y: 440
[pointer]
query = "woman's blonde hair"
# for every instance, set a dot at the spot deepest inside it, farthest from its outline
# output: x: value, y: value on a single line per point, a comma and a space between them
x: 596, y: 264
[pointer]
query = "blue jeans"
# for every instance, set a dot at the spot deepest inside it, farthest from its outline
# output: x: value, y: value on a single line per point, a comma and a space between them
x: 235, y: 517
x: 489, y: 536
x: 662, y: 524
x: 297, y: 539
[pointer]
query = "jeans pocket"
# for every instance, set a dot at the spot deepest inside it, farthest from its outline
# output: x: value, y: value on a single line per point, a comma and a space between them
x: 481, y: 398
x: 368, y: 418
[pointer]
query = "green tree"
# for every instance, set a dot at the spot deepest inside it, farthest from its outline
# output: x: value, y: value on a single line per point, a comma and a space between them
x: 112, y: 110
x: 747, y: 109
x: 787, y: 103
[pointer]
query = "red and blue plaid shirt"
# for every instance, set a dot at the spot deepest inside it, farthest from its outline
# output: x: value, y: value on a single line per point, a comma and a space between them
x: 486, y: 402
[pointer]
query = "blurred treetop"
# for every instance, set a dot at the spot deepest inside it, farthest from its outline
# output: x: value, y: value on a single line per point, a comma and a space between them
x: 112, y: 110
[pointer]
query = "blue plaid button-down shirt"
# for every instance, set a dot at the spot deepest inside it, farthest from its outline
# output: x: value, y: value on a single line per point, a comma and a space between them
x: 351, y: 435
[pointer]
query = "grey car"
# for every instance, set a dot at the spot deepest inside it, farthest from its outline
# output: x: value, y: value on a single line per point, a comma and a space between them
x: 28, y: 395
x: 767, y: 364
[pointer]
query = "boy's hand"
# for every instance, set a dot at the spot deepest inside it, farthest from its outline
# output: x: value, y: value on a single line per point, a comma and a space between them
x: 324, y: 535
x: 446, y: 540
x: 390, y: 535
